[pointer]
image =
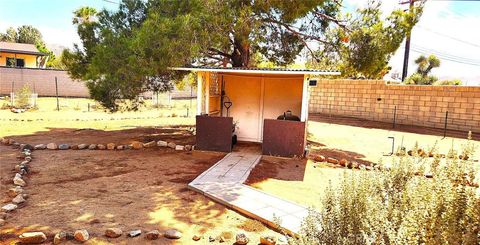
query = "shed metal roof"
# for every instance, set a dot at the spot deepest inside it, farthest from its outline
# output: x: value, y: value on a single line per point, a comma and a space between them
x: 19, y: 48
x: 257, y: 70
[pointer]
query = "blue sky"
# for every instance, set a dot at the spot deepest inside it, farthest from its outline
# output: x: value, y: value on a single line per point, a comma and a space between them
x: 52, y: 17
x: 441, y: 21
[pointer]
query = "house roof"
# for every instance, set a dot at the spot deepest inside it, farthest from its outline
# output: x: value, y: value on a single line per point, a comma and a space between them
x: 19, y: 48
x: 257, y: 70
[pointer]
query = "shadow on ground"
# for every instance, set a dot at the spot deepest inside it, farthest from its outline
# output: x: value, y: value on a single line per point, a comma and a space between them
x: 95, y: 189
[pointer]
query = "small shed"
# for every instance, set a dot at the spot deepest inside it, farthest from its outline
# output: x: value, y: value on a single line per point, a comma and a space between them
x: 263, y: 105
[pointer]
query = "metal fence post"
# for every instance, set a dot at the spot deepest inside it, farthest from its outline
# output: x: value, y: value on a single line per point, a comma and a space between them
x: 56, y: 92
x: 394, y: 116
x: 446, y: 123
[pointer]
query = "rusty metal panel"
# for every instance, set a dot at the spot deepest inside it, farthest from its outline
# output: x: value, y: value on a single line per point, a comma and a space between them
x: 214, y: 133
x: 283, y: 138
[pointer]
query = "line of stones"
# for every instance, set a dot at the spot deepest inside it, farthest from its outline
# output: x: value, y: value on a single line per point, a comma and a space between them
x: 82, y: 235
x: 355, y: 165
x: 113, y: 146
x: 17, y: 192
x: 18, y: 201
x: 80, y: 120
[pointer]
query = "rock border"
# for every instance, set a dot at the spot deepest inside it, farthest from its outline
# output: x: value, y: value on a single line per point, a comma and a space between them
x: 135, y: 145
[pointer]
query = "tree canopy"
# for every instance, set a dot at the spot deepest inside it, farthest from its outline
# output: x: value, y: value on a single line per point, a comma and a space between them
x: 126, y: 52
x: 23, y: 34
x: 364, y: 48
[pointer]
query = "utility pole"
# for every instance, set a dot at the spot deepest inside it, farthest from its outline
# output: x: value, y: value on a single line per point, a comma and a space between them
x: 407, y: 43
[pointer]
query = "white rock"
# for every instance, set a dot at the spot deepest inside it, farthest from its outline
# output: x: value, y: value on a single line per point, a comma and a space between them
x: 179, y: 147
x: 32, y: 237
x: 52, y: 146
x: 171, y: 145
x: 113, y: 232
x: 134, y: 233
x: 17, y: 175
x: 19, y: 181
x: 152, y: 235
x: 9, y: 207
x: 18, y: 199
x: 40, y: 147
x: 172, y: 234
x: 162, y: 143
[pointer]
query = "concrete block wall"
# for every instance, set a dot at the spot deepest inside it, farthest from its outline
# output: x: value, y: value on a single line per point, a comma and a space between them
x: 42, y: 80
x: 415, y: 104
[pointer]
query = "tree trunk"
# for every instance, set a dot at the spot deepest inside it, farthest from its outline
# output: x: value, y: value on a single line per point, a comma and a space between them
x: 241, y: 53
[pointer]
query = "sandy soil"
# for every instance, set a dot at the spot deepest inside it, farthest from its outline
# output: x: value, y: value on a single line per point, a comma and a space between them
x: 131, y: 189
x: 357, y: 140
x: 297, y: 180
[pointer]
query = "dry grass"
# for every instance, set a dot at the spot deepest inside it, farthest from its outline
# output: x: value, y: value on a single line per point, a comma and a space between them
x: 305, y: 182
x: 251, y: 225
x: 74, y: 114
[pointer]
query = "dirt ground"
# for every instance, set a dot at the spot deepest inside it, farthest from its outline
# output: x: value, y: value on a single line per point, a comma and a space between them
x: 131, y: 189
x: 297, y: 180
x: 304, y: 182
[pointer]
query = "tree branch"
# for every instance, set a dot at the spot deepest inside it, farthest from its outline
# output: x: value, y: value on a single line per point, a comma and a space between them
x: 219, y: 52
x: 293, y: 30
x: 332, y: 19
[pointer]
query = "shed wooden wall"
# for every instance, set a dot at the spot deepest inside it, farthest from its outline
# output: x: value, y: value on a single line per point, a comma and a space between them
x: 256, y: 98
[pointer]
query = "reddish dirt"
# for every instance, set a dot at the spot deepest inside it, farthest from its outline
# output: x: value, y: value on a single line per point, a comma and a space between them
x: 131, y: 189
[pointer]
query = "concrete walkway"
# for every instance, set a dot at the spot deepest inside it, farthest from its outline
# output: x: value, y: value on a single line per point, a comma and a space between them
x: 223, y: 182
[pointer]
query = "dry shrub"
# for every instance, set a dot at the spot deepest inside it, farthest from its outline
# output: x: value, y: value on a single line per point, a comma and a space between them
x: 397, y: 204
x: 22, y: 99
x: 227, y: 235
x: 251, y: 225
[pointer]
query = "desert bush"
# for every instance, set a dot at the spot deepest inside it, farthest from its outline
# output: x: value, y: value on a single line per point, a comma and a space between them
x: 397, y: 204
x: 455, y: 82
x: 22, y: 99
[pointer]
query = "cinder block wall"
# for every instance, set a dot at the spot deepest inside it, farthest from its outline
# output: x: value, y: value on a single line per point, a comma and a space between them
x: 42, y: 80
x: 416, y: 105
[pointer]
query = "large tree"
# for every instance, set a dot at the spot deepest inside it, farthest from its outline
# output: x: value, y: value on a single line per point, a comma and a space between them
x: 364, y: 48
x: 128, y: 51
x: 23, y: 34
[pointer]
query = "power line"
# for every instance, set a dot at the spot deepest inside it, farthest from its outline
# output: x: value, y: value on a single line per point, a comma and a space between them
x: 111, y: 1
x: 450, y: 37
x: 452, y: 60
x: 446, y: 56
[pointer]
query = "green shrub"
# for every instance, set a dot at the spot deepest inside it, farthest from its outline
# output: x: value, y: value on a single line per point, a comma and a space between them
x: 22, y: 98
x: 397, y: 204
